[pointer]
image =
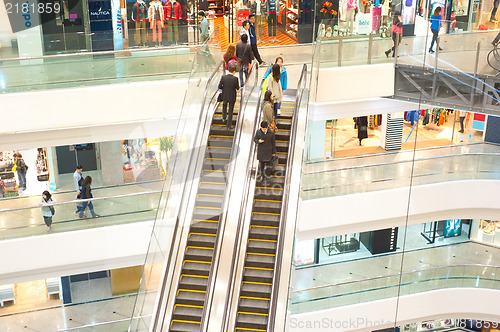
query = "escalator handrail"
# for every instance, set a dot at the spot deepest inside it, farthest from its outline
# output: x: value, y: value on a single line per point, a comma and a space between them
x: 225, y: 205
x: 186, y: 194
x: 243, y: 208
x: 283, y: 217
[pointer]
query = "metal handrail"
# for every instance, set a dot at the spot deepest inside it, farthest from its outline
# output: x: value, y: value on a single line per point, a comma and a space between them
x: 404, y: 161
x: 225, y: 205
x: 82, y: 200
x: 393, y: 275
x: 286, y: 193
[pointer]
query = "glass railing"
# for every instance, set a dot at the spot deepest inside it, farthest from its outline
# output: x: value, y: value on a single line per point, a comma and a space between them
x: 393, y: 285
x: 193, y: 125
x: 120, y: 209
x: 390, y: 175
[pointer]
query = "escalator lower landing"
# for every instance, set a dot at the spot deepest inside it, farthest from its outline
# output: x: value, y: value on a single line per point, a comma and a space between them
x: 256, y: 287
x: 198, y: 255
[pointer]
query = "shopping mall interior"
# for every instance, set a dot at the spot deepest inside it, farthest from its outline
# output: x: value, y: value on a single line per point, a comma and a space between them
x: 130, y: 200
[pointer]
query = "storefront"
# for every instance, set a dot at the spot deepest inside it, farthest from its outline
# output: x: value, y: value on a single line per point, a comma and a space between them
x: 486, y: 231
x: 391, y: 240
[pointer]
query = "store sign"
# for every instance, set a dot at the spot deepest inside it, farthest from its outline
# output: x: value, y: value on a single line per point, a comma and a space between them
x: 304, y: 252
x: 364, y: 23
x: 452, y: 228
x: 243, y: 16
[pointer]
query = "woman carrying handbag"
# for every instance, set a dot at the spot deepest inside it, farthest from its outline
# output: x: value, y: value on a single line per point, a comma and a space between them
x: 268, y: 111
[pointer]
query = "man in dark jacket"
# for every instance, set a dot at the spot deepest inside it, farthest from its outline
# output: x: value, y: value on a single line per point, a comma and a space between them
x: 245, y: 56
x: 266, y: 148
x: 229, y: 84
x: 253, y: 39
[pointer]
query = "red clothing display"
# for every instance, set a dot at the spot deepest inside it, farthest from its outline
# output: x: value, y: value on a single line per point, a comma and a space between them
x: 173, y: 10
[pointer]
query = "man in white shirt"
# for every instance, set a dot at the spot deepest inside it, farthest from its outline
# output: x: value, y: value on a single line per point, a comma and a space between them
x: 244, y: 30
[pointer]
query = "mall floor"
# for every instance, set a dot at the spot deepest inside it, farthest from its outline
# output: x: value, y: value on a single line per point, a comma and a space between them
x: 342, y: 139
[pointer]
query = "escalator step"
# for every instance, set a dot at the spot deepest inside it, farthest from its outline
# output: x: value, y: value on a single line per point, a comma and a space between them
x: 260, y: 260
x: 274, y: 194
x: 265, y: 219
x: 264, y: 232
x: 213, y: 188
x: 256, y: 290
x: 202, y: 226
x: 219, y: 164
x: 187, y: 313
x: 254, y: 305
x: 258, y: 275
x: 193, y: 282
x: 284, y: 123
x: 262, y: 247
x: 223, y: 131
x: 281, y: 135
x: 252, y: 321
x: 282, y: 157
x: 190, y: 297
x: 201, y: 240
x: 220, y: 141
x: 196, y: 267
x: 218, y: 152
x: 209, y: 200
x: 277, y: 181
x: 201, y: 211
x: 282, y: 146
x: 181, y: 326
x: 267, y: 206
x: 199, y: 254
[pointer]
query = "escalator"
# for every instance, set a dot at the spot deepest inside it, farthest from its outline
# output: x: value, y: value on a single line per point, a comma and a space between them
x: 262, y: 246
x: 197, y: 262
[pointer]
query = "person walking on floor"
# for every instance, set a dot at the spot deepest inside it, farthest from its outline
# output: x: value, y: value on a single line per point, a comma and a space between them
x: 266, y: 149
x: 77, y: 180
x: 245, y: 56
x: 435, y: 26
x: 268, y: 108
x: 283, y: 76
x: 204, y: 34
x: 21, y: 169
x: 245, y: 29
x: 86, y: 193
x: 230, y: 55
x: 274, y: 85
x: 47, y: 208
x: 462, y: 116
x: 397, y: 34
x: 253, y: 39
x: 362, y: 126
x: 229, y: 85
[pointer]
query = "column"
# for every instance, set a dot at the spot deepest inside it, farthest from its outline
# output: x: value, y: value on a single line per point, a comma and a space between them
x: 392, y: 131
x: 111, y: 163
x: 316, y: 135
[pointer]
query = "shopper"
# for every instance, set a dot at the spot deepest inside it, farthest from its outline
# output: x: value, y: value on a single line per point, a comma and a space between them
x: 245, y: 56
x: 462, y: 116
x: 494, y: 11
x: 435, y: 26
x: 245, y: 29
x: 266, y: 149
x: 230, y: 56
x: 21, y: 169
x: 229, y: 85
x: 362, y: 126
x: 397, y: 35
x: 268, y: 108
x: 274, y: 85
x: 253, y: 39
x: 86, y: 193
x: 47, y: 209
x: 284, y: 75
x: 77, y: 180
x: 204, y: 28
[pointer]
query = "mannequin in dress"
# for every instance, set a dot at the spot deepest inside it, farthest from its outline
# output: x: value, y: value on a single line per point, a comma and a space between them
x: 156, y: 18
x: 351, y: 9
x: 173, y: 13
x: 140, y: 16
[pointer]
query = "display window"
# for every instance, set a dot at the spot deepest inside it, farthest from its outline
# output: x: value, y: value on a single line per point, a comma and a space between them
x: 486, y: 231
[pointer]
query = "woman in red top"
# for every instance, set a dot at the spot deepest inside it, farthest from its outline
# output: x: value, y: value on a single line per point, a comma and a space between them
x: 397, y: 34
x: 230, y: 55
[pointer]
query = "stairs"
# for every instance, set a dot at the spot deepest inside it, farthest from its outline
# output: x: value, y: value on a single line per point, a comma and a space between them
x: 257, y: 284
x: 198, y: 255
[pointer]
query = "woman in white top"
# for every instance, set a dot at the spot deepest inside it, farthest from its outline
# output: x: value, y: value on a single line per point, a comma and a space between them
x: 47, y: 209
x: 274, y: 85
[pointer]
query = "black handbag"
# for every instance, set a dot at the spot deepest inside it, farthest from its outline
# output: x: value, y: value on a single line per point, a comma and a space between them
x: 219, y: 98
x: 52, y: 210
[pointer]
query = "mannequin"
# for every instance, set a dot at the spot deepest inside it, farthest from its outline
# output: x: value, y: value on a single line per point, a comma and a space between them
x: 140, y: 16
x: 173, y: 13
x: 351, y: 9
x: 272, y: 7
x: 258, y: 8
x: 156, y: 18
